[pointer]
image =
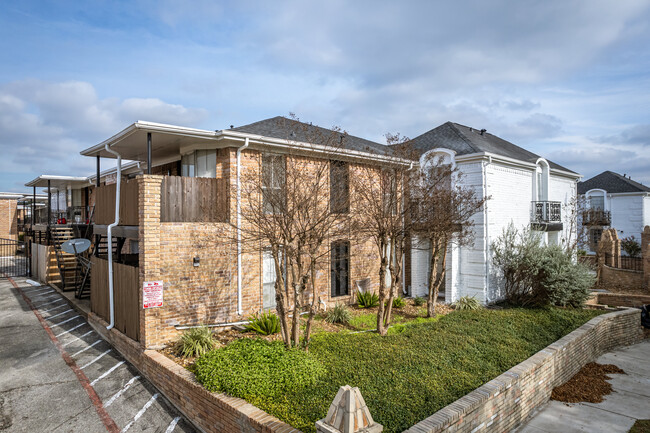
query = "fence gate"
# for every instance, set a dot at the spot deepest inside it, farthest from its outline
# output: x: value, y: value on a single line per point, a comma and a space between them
x: 13, y: 258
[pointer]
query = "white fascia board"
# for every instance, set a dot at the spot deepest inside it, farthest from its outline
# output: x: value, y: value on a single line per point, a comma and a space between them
x: 11, y: 196
x: 102, y: 174
x: 628, y: 194
x: 35, y: 182
x: 513, y: 162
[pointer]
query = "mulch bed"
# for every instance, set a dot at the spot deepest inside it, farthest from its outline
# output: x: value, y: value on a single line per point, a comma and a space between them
x: 589, y: 385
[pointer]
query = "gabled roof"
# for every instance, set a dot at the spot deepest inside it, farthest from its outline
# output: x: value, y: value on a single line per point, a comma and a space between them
x: 293, y: 130
x: 612, y: 183
x: 465, y: 140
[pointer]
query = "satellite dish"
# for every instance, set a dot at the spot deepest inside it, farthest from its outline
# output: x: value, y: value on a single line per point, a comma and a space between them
x: 75, y: 246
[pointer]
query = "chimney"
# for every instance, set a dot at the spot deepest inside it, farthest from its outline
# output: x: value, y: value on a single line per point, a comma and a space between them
x: 483, y: 131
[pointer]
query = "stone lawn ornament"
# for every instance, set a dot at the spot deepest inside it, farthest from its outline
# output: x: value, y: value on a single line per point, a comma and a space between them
x: 348, y: 413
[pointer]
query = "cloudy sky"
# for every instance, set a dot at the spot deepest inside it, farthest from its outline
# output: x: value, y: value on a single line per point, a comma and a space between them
x: 569, y: 80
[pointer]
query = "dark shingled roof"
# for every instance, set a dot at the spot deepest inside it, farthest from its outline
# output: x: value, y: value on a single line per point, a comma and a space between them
x: 289, y: 129
x: 612, y: 183
x: 465, y: 140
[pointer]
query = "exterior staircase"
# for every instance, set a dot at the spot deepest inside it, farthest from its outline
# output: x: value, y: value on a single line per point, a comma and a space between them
x: 66, y: 263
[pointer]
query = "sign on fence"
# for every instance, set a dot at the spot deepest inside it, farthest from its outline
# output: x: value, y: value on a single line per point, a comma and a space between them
x: 152, y: 294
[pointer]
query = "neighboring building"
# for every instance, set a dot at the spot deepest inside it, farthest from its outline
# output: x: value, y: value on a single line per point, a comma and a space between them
x: 524, y: 188
x: 612, y: 200
x: 9, y: 215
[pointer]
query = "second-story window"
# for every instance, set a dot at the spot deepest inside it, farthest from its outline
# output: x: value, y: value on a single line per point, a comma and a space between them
x: 273, y: 178
x: 200, y: 163
x: 339, y: 187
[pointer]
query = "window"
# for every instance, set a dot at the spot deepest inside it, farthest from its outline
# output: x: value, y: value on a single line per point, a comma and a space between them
x: 273, y: 168
x: 339, y: 187
x: 340, y: 268
x: 200, y: 163
x: 268, y: 280
x: 597, y: 202
x: 389, y: 190
x: 594, y: 238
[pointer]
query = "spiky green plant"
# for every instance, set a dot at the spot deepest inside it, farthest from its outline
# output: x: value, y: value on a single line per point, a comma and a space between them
x: 467, y: 303
x: 266, y: 323
x: 195, y: 342
x: 419, y: 301
x: 367, y: 300
x: 338, y: 314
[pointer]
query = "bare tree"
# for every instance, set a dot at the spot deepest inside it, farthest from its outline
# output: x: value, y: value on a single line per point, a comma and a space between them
x: 285, y: 207
x: 442, y: 214
x: 382, y: 217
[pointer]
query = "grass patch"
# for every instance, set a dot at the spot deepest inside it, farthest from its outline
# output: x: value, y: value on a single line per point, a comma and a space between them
x: 404, y: 377
x: 641, y: 426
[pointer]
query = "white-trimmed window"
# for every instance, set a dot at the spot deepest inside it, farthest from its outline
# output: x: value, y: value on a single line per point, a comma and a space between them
x: 200, y: 163
x: 273, y: 178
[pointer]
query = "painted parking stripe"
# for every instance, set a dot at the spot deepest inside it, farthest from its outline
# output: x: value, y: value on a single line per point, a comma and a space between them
x: 121, y: 391
x: 50, y: 303
x: 76, y: 338
x: 172, y: 425
x: 53, y: 308
x: 113, y: 368
x: 86, y: 348
x: 71, y: 329
x: 33, y: 289
x: 37, y: 292
x: 56, y: 295
x: 96, y: 359
x: 65, y: 321
x: 139, y: 414
x: 57, y: 315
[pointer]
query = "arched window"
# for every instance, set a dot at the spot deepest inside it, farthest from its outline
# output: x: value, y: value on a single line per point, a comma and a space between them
x: 540, y: 182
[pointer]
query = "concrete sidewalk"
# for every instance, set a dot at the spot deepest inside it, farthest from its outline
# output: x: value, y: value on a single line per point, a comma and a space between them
x: 629, y: 401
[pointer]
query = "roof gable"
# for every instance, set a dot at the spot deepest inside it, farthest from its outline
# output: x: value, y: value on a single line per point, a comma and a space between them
x: 612, y: 183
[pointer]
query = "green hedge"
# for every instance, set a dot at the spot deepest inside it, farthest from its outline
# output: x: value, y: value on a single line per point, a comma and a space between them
x: 404, y: 377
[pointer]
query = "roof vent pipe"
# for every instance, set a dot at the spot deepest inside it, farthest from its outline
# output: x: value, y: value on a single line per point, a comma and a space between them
x: 483, y: 131
x: 109, y: 234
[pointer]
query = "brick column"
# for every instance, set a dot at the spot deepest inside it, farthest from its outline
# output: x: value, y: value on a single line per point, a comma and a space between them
x: 149, y: 248
x: 645, y: 253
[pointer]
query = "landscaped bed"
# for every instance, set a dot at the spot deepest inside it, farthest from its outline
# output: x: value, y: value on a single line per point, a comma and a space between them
x: 404, y: 377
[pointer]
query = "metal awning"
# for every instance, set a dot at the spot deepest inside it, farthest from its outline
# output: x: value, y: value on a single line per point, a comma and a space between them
x: 58, y: 183
x: 167, y: 142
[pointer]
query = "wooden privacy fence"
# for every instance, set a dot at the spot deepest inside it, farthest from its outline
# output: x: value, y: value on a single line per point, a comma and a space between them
x: 105, y: 204
x: 125, y: 296
x: 193, y: 199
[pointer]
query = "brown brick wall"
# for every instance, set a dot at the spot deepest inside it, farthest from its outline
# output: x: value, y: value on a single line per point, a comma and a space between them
x: 624, y: 278
x: 8, y: 219
x: 645, y: 251
x: 209, y: 411
x: 504, y: 402
x: 620, y: 299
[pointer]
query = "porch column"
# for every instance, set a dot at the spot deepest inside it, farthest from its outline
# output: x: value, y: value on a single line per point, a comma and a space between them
x: 49, y: 203
x: 148, y: 152
x: 33, y: 206
x: 97, y: 179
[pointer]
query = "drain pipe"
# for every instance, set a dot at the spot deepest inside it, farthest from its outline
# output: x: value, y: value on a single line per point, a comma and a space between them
x: 240, y: 309
x: 109, y: 234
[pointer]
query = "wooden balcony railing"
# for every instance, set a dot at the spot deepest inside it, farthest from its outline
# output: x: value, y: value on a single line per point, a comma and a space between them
x: 596, y: 217
x: 105, y: 204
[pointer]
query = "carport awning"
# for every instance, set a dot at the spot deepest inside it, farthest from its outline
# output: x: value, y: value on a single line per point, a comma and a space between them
x: 167, y: 142
x: 59, y: 183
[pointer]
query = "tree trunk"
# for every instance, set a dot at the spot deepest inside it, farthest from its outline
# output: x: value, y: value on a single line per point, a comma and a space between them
x: 432, y: 295
x: 382, y: 296
x: 312, y: 305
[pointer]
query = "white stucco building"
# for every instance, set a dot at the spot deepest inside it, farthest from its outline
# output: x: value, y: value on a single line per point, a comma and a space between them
x: 615, y: 201
x: 525, y: 189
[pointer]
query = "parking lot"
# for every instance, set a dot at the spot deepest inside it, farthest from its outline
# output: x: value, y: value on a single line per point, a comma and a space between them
x: 58, y: 375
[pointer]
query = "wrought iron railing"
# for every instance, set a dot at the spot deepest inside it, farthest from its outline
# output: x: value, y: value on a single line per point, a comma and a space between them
x: 626, y: 262
x: 546, y: 212
x: 596, y: 217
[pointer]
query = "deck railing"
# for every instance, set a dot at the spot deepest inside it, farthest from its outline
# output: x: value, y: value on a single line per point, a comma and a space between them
x: 546, y: 212
x: 596, y: 217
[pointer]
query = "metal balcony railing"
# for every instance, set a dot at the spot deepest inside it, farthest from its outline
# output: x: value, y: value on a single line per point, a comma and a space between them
x: 546, y: 212
x: 596, y: 217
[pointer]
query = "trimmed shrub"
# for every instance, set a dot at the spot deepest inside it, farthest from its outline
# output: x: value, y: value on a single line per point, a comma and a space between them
x: 266, y: 323
x: 195, y: 342
x: 338, y: 314
x: 467, y: 303
x: 367, y: 300
x: 419, y: 301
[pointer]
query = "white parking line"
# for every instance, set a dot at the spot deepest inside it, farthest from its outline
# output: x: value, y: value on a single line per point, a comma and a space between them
x: 60, y: 314
x: 96, y: 359
x: 49, y: 303
x: 139, y: 414
x: 35, y: 289
x: 86, y: 348
x: 121, y: 391
x: 172, y: 425
x: 65, y: 321
x: 46, y: 297
x: 76, y: 338
x: 53, y: 308
x: 107, y: 373
x: 69, y: 330
x: 37, y: 292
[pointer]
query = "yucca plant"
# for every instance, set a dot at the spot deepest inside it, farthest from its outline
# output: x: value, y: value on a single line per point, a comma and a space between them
x: 467, y: 303
x: 367, y: 300
x: 419, y: 301
x: 266, y: 323
x: 399, y: 302
x: 195, y: 342
x: 338, y: 314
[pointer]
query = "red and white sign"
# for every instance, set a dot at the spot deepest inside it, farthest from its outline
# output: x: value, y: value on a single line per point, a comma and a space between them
x: 152, y: 294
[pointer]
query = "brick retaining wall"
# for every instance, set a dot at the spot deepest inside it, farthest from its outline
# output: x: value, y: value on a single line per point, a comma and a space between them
x: 614, y: 277
x: 208, y: 411
x: 621, y: 299
x: 504, y: 402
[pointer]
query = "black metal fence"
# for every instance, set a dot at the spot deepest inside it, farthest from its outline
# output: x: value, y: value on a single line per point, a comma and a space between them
x: 13, y: 258
x: 626, y: 262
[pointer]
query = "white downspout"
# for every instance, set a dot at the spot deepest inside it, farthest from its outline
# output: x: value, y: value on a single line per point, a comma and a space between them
x: 109, y: 234
x: 240, y: 309
x: 486, y: 236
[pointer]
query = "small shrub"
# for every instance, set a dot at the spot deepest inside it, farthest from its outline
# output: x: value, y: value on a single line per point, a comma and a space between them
x: 399, y: 302
x: 419, y: 301
x: 338, y: 314
x: 266, y: 323
x: 367, y: 300
x: 631, y: 246
x: 195, y: 342
x: 467, y: 303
